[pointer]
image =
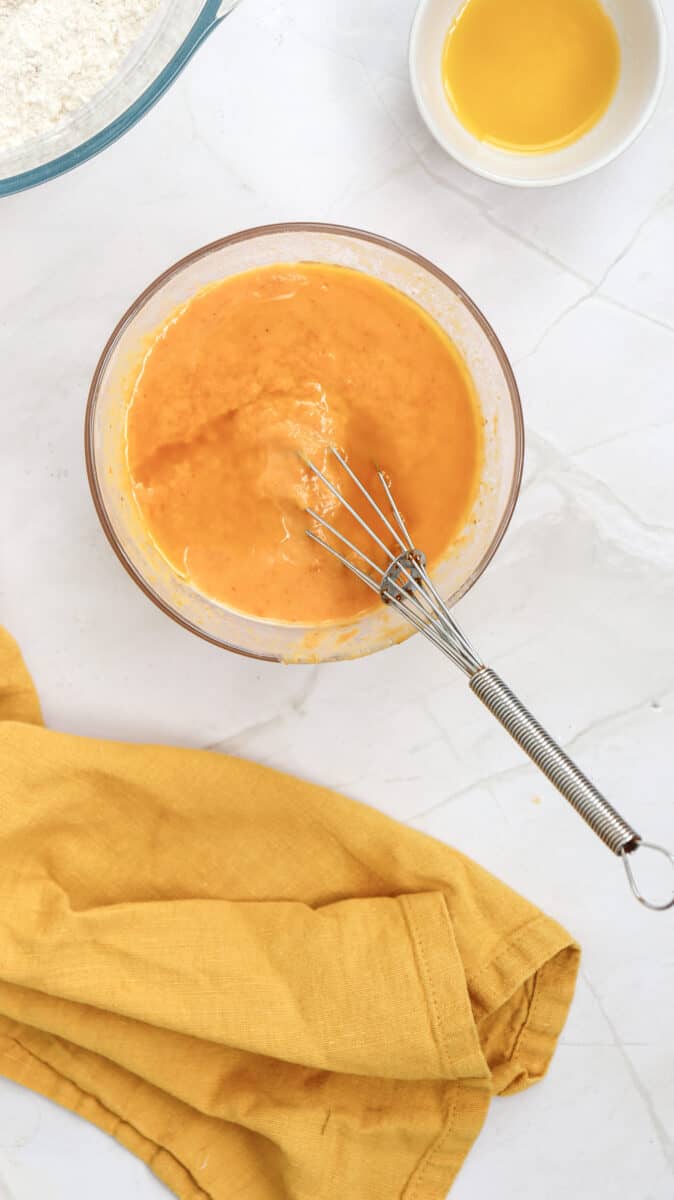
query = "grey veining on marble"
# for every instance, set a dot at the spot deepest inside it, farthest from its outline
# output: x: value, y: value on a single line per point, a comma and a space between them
x: 300, y: 109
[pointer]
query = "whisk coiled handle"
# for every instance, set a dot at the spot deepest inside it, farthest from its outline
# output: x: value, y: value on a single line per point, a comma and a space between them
x: 553, y: 762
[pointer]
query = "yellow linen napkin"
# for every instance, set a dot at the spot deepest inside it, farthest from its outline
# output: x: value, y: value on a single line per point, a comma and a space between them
x: 262, y: 989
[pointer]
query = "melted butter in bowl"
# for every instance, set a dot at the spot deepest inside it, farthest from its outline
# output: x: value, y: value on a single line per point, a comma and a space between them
x: 531, y: 76
x: 279, y: 363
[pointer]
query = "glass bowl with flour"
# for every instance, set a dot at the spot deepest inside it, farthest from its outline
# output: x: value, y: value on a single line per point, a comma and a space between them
x: 76, y: 74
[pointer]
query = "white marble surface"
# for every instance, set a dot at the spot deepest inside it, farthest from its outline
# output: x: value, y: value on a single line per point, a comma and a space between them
x: 301, y: 109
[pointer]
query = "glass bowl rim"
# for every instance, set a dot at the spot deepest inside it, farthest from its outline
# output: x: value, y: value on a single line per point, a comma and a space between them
x: 209, y: 16
x: 249, y: 235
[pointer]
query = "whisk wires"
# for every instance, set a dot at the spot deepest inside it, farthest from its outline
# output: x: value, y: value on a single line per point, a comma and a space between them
x: 403, y: 581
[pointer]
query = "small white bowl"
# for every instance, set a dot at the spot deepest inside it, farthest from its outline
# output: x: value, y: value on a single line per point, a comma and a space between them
x: 641, y: 30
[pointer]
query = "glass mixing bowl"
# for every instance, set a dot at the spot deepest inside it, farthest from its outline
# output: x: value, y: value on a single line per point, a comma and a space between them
x: 170, y: 40
x: 463, y: 562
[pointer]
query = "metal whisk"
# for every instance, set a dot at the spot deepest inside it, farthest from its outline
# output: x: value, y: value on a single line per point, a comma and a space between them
x: 404, y: 583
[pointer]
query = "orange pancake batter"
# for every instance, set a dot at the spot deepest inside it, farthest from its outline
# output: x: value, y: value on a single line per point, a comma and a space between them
x: 286, y: 359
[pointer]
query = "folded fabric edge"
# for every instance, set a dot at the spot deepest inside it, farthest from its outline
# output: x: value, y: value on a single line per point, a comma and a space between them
x: 442, y: 973
x: 469, y: 1095
x: 23, y: 1066
x: 541, y: 952
x: 544, y: 955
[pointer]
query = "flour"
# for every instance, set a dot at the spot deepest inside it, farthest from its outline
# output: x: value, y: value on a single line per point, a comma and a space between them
x: 56, y: 54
